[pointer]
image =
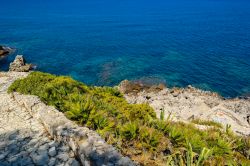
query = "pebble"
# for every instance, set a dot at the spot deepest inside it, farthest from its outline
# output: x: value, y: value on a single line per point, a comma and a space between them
x: 52, y: 162
x: 63, y: 157
x: 40, y: 159
x: 52, y: 144
x: 2, y: 156
x: 52, y: 151
x: 72, y: 162
x: 64, y: 149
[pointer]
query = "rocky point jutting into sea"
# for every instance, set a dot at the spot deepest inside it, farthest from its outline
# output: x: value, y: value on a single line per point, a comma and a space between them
x: 187, y: 104
x: 179, y: 104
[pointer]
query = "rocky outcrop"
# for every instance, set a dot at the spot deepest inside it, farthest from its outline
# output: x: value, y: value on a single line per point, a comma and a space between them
x: 129, y: 87
x: 20, y: 65
x: 187, y: 104
x: 32, y: 133
x: 5, y: 51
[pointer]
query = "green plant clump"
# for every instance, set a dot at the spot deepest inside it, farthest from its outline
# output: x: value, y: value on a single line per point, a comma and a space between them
x: 207, y: 123
x: 134, y: 128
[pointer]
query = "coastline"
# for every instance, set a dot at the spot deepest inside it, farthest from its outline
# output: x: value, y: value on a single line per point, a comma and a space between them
x: 180, y: 104
x: 191, y: 113
x: 190, y: 104
x: 125, y: 83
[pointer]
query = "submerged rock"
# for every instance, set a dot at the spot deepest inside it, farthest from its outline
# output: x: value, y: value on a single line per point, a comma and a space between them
x: 20, y: 65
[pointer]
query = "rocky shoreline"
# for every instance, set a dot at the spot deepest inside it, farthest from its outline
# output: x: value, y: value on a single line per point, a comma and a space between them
x: 188, y: 104
x: 84, y: 146
x: 179, y: 104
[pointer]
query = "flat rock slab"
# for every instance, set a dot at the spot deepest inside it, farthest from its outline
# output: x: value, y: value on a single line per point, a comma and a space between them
x: 191, y: 103
x: 23, y: 139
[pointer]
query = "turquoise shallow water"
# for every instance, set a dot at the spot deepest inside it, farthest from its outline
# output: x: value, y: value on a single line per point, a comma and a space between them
x: 203, y: 43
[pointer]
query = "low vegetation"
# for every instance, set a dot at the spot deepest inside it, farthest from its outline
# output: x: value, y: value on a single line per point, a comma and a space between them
x: 134, y: 128
x: 207, y: 123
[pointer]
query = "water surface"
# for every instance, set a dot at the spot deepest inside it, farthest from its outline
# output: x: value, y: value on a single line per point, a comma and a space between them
x: 204, y: 43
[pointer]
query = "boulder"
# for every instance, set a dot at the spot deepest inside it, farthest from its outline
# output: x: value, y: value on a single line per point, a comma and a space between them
x: 5, y: 51
x: 131, y: 87
x: 134, y: 87
x: 19, y: 65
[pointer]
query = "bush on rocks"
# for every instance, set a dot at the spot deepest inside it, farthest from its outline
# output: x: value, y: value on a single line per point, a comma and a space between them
x: 134, y: 128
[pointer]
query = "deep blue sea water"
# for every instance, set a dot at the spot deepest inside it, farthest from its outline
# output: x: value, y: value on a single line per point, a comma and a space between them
x: 205, y: 43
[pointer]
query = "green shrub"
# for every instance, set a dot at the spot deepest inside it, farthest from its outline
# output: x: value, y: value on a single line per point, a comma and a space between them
x: 79, y: 110
x: 189, y: 157
x: 134, y: 128
x: 207, y: 123
x: 129, y: 130
x: 150, y: 136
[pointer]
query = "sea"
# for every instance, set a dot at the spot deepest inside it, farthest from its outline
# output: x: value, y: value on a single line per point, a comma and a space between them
x: 203, y: 43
